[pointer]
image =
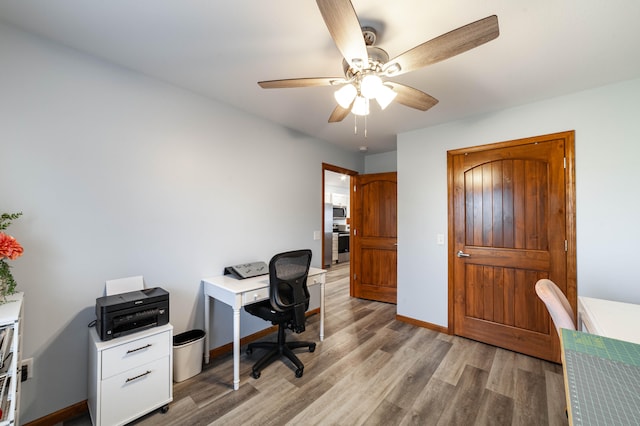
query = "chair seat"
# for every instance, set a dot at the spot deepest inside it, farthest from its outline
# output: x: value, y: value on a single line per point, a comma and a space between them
x: 265, y: 311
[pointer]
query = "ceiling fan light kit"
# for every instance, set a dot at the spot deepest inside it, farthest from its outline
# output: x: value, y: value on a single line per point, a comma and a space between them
x: 360, y: 106
x: 385, y: 95
x: 366, y: 67
x: 345, y: 95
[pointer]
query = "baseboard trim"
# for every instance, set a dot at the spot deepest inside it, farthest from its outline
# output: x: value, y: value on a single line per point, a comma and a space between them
x: 82, y: 408
x: 62, y: 415
x: 423, y: 324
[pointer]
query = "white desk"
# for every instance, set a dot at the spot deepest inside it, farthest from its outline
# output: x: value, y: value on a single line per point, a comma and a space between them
x: 238, y: 293
x: 608, y: 318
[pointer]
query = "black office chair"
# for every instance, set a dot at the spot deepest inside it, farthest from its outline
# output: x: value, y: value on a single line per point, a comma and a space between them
x: 286, y: 307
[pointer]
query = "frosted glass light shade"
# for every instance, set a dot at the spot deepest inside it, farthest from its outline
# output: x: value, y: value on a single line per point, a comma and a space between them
x: 360, y: 106
x: 385, y: 96
x: 370, y: 85
x: 345, y: 95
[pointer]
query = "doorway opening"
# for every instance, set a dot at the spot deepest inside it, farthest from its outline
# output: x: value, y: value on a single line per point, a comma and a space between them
x: 336, y: 219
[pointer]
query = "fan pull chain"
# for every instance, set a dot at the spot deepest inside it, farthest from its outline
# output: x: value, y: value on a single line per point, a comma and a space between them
x: 365, y: 124
x: 355, y: 122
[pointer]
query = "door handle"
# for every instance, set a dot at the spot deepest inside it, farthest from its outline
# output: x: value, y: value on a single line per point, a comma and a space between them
x: 460, y: 253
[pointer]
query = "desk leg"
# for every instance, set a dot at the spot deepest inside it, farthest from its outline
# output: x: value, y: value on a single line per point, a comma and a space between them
x: 321, y: 311
x: 206, y: 329
x: 236, y: 348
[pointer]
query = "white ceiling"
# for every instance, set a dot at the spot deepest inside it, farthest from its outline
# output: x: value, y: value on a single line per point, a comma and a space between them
x: 546, y: 48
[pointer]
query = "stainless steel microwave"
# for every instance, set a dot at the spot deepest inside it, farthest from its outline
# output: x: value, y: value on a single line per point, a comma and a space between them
x: 339, y: 212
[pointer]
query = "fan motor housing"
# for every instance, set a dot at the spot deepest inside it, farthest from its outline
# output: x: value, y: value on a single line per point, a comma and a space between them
x: 377, y: 58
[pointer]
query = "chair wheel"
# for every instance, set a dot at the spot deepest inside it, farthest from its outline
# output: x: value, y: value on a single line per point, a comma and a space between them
x: 164, y: 409
x: 299, y: 372
x: 249, y: 351
x: 255, y: 374
x: 312, y: 347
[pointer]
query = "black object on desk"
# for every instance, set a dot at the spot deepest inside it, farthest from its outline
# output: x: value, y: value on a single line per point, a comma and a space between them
x: 602, y: 379
x: 247, y: 270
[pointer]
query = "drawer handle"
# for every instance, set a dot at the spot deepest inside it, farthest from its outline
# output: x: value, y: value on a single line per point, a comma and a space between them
x: 130, y: 351
x: 131, y: 379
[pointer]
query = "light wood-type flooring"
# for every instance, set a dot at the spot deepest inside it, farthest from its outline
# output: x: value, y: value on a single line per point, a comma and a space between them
x: 372, y: 370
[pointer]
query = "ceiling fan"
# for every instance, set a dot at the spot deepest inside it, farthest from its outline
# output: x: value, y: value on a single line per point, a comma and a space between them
x: 367, y: 68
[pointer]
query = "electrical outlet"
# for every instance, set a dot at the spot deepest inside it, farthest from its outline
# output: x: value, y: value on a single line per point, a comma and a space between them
x: 26, y: 369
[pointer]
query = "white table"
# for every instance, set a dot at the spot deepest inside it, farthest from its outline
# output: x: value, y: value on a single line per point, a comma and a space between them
x: 608, y: 318
x: 238, y: 293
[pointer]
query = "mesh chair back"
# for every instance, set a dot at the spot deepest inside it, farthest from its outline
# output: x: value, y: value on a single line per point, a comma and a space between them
x: 288, y: 285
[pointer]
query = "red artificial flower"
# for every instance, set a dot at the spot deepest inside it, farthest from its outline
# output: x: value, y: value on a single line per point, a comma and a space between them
x: 9, y: 247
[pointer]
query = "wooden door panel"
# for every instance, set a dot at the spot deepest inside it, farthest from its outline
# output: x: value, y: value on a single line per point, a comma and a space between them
x: 508, y: 216
x: 379, y: 218
x: 496, y: 193
x: 374, y: 235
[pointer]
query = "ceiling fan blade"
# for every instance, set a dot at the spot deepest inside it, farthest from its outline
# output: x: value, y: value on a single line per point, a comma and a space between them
x: 339, y: 114
x: 411, y: 97
x: 301, y: 82
x: 445, y: 46
x: 344, y: 27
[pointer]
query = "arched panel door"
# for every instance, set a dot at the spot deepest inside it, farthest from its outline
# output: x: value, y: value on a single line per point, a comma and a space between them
x: 510, y: 228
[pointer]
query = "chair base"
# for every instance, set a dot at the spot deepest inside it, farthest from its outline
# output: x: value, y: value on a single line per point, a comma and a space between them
x: 277, y: 350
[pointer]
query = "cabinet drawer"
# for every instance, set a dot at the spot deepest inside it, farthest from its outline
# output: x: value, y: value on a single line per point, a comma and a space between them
x: 316, y: 279
x: 135, y: 353
x: 255, y: 296
x: 135, y: 392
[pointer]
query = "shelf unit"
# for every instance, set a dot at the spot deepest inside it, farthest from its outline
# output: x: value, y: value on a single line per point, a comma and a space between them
x: 10, y: 358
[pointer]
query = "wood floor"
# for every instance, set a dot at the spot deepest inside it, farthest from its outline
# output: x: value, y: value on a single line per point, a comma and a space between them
x: 373, y: 370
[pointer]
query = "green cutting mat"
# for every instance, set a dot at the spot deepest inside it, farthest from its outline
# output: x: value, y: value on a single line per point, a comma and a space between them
x: 603, y: 347
x: 603, y: 379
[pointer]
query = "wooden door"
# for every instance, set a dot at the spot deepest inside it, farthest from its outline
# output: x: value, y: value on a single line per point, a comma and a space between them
x: 512, y: 224
x: 374, y: 237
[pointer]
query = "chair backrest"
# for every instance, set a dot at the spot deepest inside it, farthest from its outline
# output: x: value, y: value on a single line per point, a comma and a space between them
x: 288, y: 285
x: 556, y: 303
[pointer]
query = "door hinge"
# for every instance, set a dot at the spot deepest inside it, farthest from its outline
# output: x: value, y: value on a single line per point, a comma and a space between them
x: 355, y: 232
x: 564, y: 160
x: 355, y: 277
x: 354, y: 188
x: 566, y: 245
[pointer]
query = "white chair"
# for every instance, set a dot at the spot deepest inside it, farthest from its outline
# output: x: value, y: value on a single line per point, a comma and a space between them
x: 556, y: 303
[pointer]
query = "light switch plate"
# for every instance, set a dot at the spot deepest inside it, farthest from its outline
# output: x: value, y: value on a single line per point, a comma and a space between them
x: 440, y: 239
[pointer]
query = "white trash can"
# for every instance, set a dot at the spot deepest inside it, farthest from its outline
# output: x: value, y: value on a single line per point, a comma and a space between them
x: 188, y: 349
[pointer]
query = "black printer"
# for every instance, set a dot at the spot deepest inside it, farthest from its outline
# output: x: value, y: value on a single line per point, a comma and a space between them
x: 121, y: 314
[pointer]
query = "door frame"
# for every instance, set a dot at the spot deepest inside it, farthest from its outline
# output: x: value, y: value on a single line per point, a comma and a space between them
x: 570, y: 210
x: 341, y: 170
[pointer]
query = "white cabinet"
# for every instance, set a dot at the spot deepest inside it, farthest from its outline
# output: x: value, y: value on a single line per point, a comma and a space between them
x: 339, y: 199
x: 130, y: 376
x: 10, y: 358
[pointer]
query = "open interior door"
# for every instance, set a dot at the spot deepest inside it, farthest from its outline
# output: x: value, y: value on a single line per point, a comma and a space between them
x: 374, y: 237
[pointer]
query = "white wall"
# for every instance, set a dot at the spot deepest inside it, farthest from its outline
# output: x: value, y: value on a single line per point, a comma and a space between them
x: 607, y: 176
x: 119, y: 175
x: 381, y: 163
